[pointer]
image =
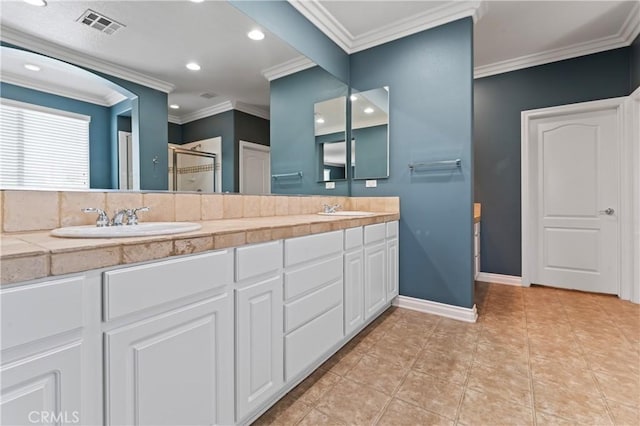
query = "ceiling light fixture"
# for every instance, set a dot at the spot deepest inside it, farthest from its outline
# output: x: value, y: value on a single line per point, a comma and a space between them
x: 368, y: 110
x: 353, y: 98
x: 193, y: 66
x: 174, y: 106
x: 40, y: 3
x: 255, y: 35
x: 32, y: 67
x: 197, y: 1
x: 320, y: 120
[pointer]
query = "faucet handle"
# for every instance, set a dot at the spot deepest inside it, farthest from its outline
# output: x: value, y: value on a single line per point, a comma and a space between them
x: 331, y: 209
x: 132, y: 215
x: 103, y: 218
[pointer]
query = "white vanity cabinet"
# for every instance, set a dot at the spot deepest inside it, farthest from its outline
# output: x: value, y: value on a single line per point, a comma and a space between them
x: 313, y: 294
x: 393, y: 259
x: 259, y: 321
x: 476, y: 249
x: 353, y: 280
x: 171, y: 367
x: 375, y: 268
x: 42, y: 347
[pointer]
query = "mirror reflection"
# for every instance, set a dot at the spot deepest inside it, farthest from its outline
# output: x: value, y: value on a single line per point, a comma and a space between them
x: 370, y: 133
x: 330, y: 119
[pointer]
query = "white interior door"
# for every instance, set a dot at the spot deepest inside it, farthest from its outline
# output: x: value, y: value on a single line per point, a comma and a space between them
x: 574, y: 190
x: 255, y: 168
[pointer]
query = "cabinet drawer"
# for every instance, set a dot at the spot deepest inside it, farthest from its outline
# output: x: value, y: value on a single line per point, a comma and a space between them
x: 373, y: 233
x: 310, y: 306
x: 314, y: 276
x: 308, y: 343
x: 304, y: 249
x: 136, y: 288
x: 353, y: 238
x: 260, y: 259
x: 392, y: 229
x: 36, y: 311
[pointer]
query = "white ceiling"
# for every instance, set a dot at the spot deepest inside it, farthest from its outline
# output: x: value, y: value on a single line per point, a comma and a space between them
x: 160, y: 37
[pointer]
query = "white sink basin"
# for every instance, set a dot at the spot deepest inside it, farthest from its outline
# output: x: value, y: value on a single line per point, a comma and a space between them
x: 144, y: 229
x: 347, y: 213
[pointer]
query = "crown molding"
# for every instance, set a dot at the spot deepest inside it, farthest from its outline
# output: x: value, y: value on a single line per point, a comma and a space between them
x: 289, y: 67
x: 332, y: 28
x: 628, y: 32
x: 252, y: 109
x: 36, y: 44
x: 66, y: 92
x: 206, y: 112
x: 174, y: 119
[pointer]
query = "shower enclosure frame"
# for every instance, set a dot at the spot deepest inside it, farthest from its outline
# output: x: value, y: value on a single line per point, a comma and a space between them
x: 177, y: 151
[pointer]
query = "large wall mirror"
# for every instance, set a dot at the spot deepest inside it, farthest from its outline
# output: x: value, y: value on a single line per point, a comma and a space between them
x: 370, y: 134
x: 212, y: 111
x: 330, y: 118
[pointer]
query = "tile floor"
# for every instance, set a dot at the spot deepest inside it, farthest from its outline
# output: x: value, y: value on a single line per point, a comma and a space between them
x: 536, y: 356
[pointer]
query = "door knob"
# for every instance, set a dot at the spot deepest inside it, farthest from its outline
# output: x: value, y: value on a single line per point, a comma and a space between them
x: 608, y: 211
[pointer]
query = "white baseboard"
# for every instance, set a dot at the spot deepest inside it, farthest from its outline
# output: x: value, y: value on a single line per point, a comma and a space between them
x: 441, y: 309
x: 488, y: 277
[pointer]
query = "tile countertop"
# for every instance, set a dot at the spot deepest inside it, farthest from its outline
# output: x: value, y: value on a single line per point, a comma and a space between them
x: 476, y: 212
x: 31, y: 255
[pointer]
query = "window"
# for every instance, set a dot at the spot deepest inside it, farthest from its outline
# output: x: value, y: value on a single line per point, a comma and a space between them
x: 42, y: 147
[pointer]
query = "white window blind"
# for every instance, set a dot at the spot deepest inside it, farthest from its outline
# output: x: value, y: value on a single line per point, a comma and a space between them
x: 43, y: 147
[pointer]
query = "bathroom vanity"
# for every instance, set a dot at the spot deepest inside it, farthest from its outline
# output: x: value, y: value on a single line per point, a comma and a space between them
x: 215, y: 337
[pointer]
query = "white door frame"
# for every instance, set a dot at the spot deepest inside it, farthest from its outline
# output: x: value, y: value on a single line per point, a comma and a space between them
x: 632, y: 149
x: 255, y: 147
x: 626, y: 163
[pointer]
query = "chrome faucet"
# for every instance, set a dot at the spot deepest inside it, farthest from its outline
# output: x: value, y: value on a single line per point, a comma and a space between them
x: 118, y: 217
x: 331, y: 209
x: 103, y: 218
x: 132, y: 216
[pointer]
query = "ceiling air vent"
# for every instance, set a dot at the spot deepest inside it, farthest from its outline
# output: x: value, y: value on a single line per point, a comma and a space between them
x: 208, y: 95
x: 100, y: 22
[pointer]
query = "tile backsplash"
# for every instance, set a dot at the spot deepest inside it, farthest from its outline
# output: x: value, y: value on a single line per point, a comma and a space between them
x: 43, y: 210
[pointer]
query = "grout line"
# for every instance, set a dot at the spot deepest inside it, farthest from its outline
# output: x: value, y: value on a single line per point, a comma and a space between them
x: 532, y: 395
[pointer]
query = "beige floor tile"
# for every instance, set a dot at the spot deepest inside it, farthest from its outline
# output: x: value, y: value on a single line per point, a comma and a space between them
x: 432, y: 394
x: 378, y: 373
x: 501, y: 382
x: 483, y: 409
x: 342, y: 362
x: 623, y: 389
x: 316, y: 417
x: 314, y: 386
x: 569, y: 375
x: 623, y: 414
x: 402, y: 413
x: 587, y: 407
x: 287, y: 411
x: 545, y: 419
x: 352, y: 403
x: 452, y: 366
x: 391, y: 350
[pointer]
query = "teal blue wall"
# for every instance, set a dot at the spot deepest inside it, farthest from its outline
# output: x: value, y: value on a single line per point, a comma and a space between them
x: 119, y: 121
x: 499, y: 100
x: 99, y: 128
x: 430, y: 79
x: 371, y: 152
x: 283, y: 20
x: 293, y: 145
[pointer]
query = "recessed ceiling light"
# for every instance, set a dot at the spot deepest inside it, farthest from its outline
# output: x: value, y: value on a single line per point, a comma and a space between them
x: 36, y: 2
x: 255, y: 35
x: 353, y: 98
x: 193, y: 66
x: 320, y: 120
x: 174, y: 106
x: 368, y: 110
x: 32, y: 67
x: 197, y: 1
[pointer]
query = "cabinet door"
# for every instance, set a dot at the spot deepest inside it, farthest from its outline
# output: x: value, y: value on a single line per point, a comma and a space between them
x: 375, y: 278
x: 353, y: 290
x: 43, y: 389
x: 259, y: 344
x: 392, y: 269
x: 173, y: 368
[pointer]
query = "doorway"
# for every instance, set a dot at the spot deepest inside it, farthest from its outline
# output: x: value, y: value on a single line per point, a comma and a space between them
x: 573, y: 187
x: 255, y: 168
